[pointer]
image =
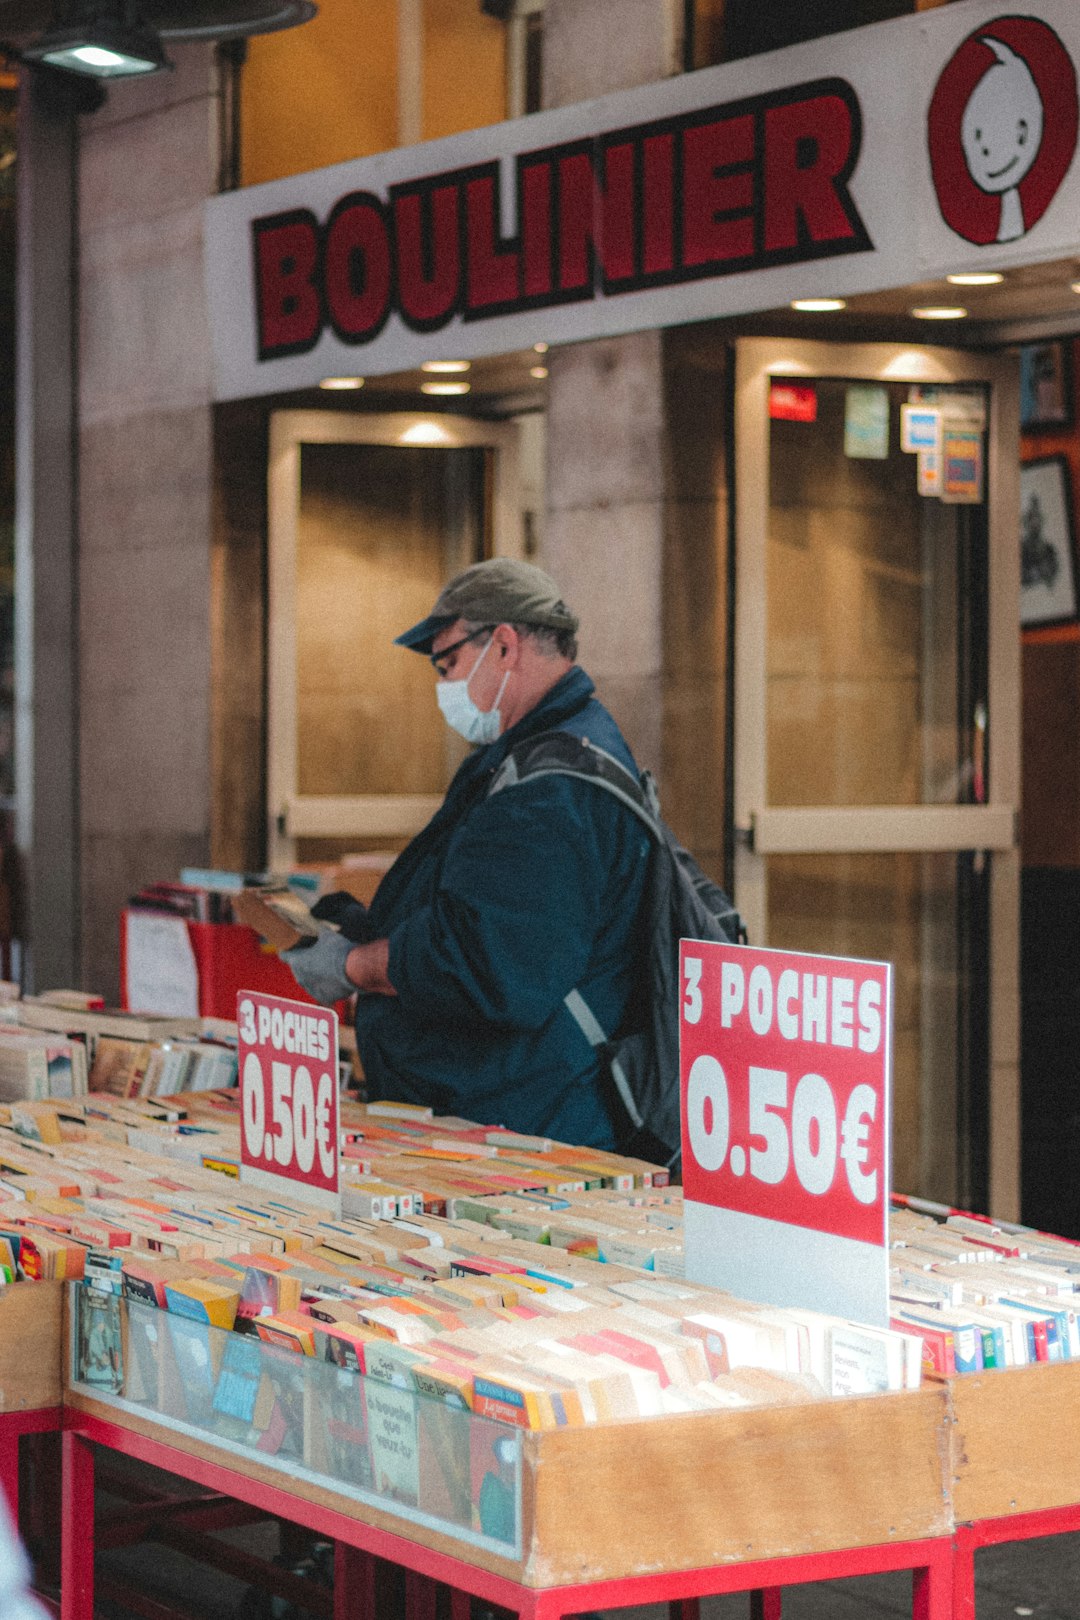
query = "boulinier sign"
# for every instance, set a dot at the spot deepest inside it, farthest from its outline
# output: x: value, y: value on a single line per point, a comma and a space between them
x: 887, y: 155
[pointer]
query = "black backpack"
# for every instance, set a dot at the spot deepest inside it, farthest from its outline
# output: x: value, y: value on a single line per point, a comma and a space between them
x: 641, y: 1065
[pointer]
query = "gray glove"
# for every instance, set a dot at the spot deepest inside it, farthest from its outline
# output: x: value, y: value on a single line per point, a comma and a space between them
x: 320, y: 966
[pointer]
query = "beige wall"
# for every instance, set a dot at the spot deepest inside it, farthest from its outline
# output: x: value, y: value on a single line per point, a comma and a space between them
x: 147, y: 163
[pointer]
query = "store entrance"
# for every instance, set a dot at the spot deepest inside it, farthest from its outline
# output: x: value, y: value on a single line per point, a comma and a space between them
x: 875, y: 733
x: 369, y: 516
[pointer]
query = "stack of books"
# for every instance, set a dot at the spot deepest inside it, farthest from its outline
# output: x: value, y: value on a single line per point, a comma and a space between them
x: 61, y: 1047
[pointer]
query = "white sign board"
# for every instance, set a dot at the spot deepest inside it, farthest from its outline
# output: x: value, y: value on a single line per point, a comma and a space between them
x: 898, y: 153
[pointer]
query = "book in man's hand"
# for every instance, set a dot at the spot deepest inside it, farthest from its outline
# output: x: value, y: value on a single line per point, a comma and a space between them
x: 278, y: 915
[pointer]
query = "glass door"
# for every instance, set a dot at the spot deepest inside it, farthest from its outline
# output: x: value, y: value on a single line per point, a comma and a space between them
x: 369, y: 517
x: 876, y: 718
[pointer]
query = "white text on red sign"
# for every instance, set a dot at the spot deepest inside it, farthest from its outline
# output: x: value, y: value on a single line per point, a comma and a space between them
x: 784, y: 1075
x: 288, y: 1089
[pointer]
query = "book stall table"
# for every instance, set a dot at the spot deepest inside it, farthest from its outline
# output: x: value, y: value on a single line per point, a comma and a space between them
x: 1016, y: 1470
x: 543, y: 1523
x: 30, y: 1373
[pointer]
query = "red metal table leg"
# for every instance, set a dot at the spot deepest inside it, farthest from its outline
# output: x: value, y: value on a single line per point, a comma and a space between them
x: 354, y: 1583
x: 9, y: 1471
x: 964, y: 1544
x: 766, y: 1603
x: 420, y: 1591
x: 77, y: 1530
x: 932, y: 1586
x: 460, y: 1605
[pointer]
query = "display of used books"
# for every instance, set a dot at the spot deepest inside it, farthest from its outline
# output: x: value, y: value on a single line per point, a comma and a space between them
x: 556, y: 1304
x: 374, y: 1435
x: 36, y: 1065
x: 61, y: 1045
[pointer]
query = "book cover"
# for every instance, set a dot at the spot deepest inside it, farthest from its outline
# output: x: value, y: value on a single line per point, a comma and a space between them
x: 99, y: 1358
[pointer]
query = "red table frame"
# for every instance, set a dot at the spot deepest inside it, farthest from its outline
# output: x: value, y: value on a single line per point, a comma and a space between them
x: 358, y: 1544
x: 968, y: 1538
x: 13, y: 1425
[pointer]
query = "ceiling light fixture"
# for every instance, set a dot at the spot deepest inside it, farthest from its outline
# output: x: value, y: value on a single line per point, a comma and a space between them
x: 540, y: 348
x: 939, y: 312
x: 540, y: 372
x: 425, y: 433
x: 444, y: 388
x: 118, y: 39
x: 818, y: 306
x: 333, y: 384
x: 1074, y: 286
x: 976, y: 278
x: 119, y: 46
x: 445, y: 366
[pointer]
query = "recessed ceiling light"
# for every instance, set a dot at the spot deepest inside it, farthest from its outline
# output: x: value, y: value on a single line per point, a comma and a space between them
x: 939, y: 312
x: 342, y: 382
x: 445, y: 366
x: 1074, y: 286
x: 424, y: 433
x: 538, y: 371
x: 540, y: 348
x: 976, y: 278
x: 444, y: 388
x: 818, y: 306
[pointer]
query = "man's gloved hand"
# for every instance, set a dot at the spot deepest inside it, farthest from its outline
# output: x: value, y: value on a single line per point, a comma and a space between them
x: 320, y: 967
x: 350, y: 915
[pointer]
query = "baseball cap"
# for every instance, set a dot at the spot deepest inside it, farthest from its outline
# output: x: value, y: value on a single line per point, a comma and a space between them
x: 501, y: 590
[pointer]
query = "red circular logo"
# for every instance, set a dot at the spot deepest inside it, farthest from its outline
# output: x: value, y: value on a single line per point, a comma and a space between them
x: 1002, y: 129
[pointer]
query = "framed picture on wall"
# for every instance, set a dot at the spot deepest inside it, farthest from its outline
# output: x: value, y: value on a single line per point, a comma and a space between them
x: 1047, y: 543
x: 1046, y: 395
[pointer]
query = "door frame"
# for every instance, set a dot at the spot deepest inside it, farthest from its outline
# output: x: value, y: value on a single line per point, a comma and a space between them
x: 760, y: 829
x: 289, y: 814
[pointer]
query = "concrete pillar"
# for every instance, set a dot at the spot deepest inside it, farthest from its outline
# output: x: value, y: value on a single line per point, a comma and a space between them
x: 46, y: 675
x: 148, y: 162
x: 604, y: 530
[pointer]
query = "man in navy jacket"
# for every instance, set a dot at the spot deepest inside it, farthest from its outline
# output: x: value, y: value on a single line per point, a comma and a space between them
x: 506, y: 903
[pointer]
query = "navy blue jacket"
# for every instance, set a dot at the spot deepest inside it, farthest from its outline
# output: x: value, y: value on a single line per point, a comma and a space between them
x: 497, y: 910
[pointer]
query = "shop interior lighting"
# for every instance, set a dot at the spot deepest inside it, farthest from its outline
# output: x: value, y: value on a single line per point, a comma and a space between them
x: 1074, y: 286
x: 425, y: 433
x: 333, y: 384
x: 939, y: 312
x: 113, y: 45
x: 976, y: 278
x: 540, y: 372
x: 540, y: 348
x: 444, y: 388
x: 445, y: 366
x: 818, y: 306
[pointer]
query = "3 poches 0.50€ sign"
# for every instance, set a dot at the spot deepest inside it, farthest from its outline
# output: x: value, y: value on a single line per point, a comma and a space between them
x: 288, y: 1058
x: 786, y: 1075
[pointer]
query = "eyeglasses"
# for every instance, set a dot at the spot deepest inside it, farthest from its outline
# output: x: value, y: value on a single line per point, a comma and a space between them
x: 439, y: 660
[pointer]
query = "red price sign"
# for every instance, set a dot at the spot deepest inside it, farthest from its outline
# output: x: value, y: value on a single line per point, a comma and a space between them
x: 785, y: 1070
x: 288, y: 1055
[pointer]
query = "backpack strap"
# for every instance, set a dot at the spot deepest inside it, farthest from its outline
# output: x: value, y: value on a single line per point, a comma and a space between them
x: 593, y: 1031
x: 560, y: 753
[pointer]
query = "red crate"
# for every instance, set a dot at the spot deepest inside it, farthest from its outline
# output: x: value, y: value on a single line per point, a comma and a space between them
x: 230, y: 957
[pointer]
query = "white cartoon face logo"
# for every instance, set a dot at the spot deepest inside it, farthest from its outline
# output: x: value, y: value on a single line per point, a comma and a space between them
x: 1001, y: 132
x: 1002, y: 129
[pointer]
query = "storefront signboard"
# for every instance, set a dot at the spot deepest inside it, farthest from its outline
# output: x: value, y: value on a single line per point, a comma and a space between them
x: 786, y: 1078
x: 288, y: 1059
x: 898, y: 153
